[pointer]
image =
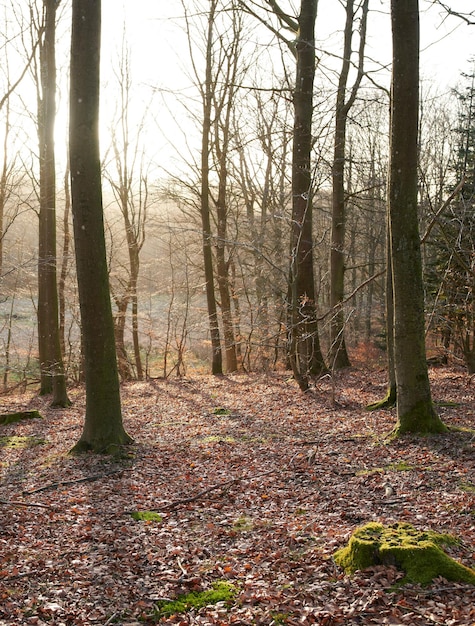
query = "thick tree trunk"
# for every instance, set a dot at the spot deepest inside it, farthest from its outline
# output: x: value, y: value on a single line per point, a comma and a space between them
x: 415, y: 410
x: 103, y: 430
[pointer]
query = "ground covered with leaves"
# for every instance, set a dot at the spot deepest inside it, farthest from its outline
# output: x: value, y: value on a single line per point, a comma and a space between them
x: 254, y: 483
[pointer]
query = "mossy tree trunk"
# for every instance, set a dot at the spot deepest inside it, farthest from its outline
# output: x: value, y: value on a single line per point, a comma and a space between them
x: 415, y: 410
x: 103, y: 430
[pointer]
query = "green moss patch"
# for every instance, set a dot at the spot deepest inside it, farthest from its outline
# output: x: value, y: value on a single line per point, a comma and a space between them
x: 243, y: 524
x: 20, y: 442
x: 417, y: 553
x: 222, y: 591
x: 220, y: 410
x: 10, y: 418
x: 146, y: 516
x: 392, y: 467
x: 218, y: 439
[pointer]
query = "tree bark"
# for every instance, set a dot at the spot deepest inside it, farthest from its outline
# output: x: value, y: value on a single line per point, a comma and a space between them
x: 223, y: 107
x: 305, y: 353
x: 51, y: 360
x: 338, y: 352
x: 103, y: 430
x: 217, y: 357
x: 415, y: 411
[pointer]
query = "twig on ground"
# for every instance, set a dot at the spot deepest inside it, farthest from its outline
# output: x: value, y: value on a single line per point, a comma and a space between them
x: 17, y: 503
x: 174, y: 505
x: 64, y: 483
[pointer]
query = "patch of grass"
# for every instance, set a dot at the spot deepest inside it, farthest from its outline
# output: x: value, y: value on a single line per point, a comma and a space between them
x: 222, y: 591
x: 146, y: 516
x: 400, y: 467
x: 279, y: 618
x: 218, y: 439
x: 220, y: 410
x: 15, y: 441
x: 468, y: 487
x: 392, y: 467
x: 243, y: 524
x: 370, y: 471
x: 299, y: 511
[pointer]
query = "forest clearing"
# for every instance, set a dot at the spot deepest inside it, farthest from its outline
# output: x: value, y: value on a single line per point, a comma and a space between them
x: 254, y: 483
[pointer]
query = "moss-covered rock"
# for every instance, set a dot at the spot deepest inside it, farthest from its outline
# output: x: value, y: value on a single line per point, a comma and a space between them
x: 417, y: 553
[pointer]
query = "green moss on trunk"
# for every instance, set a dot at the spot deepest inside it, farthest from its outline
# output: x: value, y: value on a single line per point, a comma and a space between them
x: 421, y: 418
x: 417, y: 553
x: 388, y: 402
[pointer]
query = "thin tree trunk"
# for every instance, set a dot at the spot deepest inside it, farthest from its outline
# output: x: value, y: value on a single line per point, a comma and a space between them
x: 51, y: 361
x: 338, y: 352
x: 216, y: 358
x: 64, y: 262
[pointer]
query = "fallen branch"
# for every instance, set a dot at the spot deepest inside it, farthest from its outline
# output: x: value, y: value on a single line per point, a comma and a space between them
x: 64, y: 483
x: 17, y: 503
x: 174, y: 505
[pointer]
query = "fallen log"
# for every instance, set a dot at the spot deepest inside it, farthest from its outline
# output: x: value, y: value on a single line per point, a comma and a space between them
x: 10, y: 418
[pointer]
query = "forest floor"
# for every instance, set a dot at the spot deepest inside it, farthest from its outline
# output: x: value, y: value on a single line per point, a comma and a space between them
x: 256, y: 484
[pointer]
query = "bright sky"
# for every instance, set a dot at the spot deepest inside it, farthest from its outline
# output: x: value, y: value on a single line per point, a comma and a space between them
x: 160, y: 55
x: 155, y: 30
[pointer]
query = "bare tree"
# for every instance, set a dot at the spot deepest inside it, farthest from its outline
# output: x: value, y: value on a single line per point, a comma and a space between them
x: 305, y: 353
x: 129, y: 183
x: 103, y: 429
x: 51, y: 361
x: 338, y: 352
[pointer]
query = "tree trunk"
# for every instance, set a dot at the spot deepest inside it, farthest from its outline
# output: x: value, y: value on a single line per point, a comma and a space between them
x: 123, y: 364
x: 338, y: 353
x: 221, y: 143
x: 217, y: 358
x: 64, y: 263
x: 305, y: 353
x: 390, y: 399
x: 51, y: 360
x: 103, y: 430
x: 415, y: 411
